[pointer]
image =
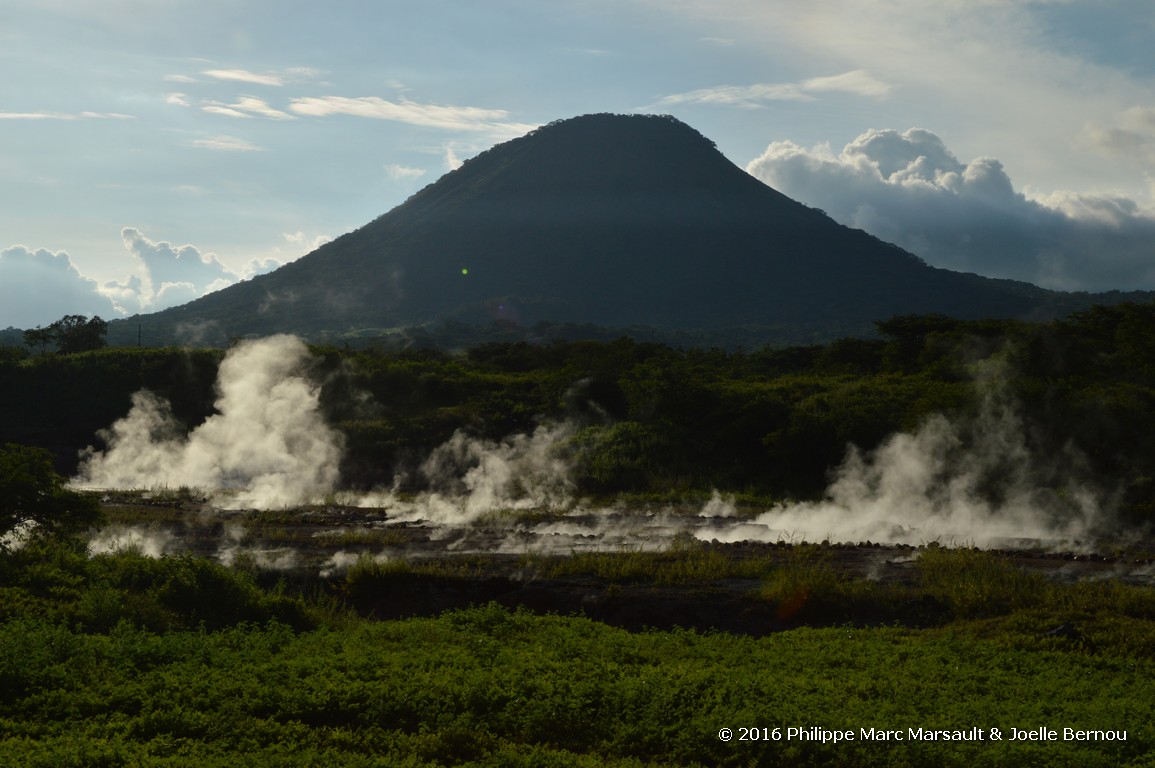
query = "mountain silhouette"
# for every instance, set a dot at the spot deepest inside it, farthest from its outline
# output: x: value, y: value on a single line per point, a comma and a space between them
x: 615, y: 220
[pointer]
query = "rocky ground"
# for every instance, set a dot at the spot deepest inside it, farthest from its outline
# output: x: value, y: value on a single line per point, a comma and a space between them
x: 512, y: 559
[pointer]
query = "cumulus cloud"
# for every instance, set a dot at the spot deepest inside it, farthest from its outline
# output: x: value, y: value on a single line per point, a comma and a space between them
x: 856, y: 82
x: 38, y: 287
x: 172, y: 274
x: 299, y: 240
x: 168, y: 275
x: 910, y: 189
x: 1130, y: 134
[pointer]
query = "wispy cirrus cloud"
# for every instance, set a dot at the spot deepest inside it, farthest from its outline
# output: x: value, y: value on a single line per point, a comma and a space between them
x: 247, y: 106
x: 856, y: 82
x: 227, y: 144
x: 414, y: 113
x: 244, y: 76
x: 65, y: 116
x: 276, y: 78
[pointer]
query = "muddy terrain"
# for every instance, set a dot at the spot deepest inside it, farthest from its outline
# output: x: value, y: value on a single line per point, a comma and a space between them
x: 518, y: 559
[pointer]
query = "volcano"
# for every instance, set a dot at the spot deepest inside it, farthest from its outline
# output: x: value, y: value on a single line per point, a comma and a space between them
x: 621, y: 221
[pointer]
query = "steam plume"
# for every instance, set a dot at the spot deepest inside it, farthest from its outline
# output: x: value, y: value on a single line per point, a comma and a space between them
x: 267, y: 446
x: 469, y: 477
x: 968, y: 483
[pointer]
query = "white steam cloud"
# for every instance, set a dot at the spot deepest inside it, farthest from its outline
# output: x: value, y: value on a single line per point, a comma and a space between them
x: 470, y: 477
x: 974, y: 481
x: 267, y: 447
x: 973, y: 484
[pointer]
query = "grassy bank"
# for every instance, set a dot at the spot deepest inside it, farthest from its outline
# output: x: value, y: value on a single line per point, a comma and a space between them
x: 126, y: 660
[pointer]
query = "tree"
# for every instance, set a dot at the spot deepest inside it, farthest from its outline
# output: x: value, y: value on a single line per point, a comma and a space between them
x: 71, y: 333
x: 39, y: 337
x: 76, y: 333
x: 33, y: 495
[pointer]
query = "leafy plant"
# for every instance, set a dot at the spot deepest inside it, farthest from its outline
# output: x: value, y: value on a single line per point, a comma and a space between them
x: 34, y: 499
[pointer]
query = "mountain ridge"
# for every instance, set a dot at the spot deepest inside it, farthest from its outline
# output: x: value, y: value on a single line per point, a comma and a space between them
x: 613, y: 220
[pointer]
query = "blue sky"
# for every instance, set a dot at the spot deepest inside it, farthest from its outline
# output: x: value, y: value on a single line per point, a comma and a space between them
x: 153, y: 150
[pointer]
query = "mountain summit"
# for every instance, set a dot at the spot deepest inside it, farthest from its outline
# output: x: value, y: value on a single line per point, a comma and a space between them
x: 614, y: 220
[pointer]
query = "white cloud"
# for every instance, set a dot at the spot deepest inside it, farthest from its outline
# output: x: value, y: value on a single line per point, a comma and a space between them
x: 403, y: 172
x: 855, y: 82
x: 177, y: 99
x: 1131, y: 134
x: 413, y: 113
x: 227, y: 144
x: 261, y: 266
x: 1010, y: 78
x: 858, y: 82
x: 452, y: 161
x: 909, y: 188
x: 173, y: 274
x: 38, y: 287
x: 244, y: 76
x: 65, y: 116
x: 299, y: 240
x: 297, y: 74
x: 247, y: 106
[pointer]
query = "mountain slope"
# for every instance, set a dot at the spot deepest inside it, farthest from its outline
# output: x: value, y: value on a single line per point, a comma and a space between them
x: 606, y: 219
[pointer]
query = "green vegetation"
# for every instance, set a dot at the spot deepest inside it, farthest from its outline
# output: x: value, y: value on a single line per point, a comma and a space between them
x: 120, y: 659
x: 667, y: 423
x: 33, y: 499
x: 70, y: 334
x: 124, y: 660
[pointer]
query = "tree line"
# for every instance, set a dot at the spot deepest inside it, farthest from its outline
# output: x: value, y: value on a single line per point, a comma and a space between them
x: 662, y: 421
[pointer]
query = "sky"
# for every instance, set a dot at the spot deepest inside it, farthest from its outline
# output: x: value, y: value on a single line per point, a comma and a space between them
x: 154, y: 150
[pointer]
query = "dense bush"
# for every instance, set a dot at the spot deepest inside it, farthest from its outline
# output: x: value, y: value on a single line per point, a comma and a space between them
x: 656, y: 419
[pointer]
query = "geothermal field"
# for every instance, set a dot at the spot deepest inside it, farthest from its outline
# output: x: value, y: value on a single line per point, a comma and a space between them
x: 258, y: 483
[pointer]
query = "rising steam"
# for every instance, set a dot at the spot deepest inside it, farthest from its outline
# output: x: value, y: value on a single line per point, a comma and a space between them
x: 469, y: 477
x: 971, y: 482
x: 266, y: 447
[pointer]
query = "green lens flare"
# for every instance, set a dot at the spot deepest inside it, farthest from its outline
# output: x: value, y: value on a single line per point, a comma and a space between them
x: 464, y: 271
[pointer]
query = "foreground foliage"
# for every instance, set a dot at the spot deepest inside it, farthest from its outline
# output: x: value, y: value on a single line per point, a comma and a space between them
x: 122, y: 660
x: 34, y: 499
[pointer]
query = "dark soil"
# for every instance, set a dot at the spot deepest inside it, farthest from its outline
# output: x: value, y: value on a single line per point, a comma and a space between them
x: 456, y: 567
